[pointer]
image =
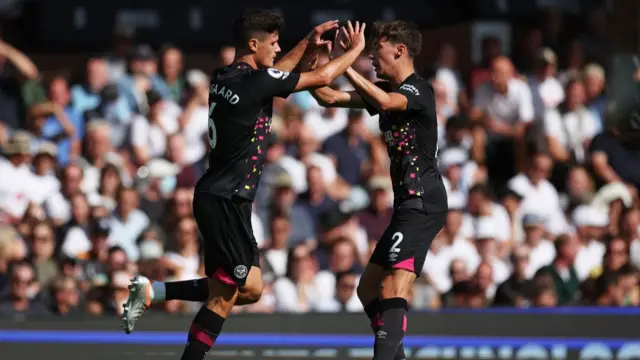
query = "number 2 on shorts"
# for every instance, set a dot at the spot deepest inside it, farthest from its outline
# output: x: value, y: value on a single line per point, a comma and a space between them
x: 398, y: 239
x: 213, y: 137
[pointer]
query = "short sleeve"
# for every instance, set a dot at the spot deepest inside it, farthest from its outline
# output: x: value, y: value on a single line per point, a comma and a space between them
x: 525, y: 108
x: 273, y: 82
x: 553, y: 125
x: 416, y: 95
x: 384, y: 85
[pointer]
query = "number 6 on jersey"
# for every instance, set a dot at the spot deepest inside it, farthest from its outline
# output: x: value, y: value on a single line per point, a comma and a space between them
x: 213, y: 137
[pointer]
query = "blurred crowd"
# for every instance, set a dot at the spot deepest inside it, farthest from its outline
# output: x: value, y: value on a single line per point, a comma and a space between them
x: 97, y: 176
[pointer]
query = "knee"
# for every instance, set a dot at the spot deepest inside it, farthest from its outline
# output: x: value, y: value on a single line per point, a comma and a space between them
x: 365, y: 293
x: 397, y: 284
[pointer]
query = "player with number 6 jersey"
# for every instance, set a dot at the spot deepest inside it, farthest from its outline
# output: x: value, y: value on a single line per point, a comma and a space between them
x: 406, y: 105
x: 241, y: 107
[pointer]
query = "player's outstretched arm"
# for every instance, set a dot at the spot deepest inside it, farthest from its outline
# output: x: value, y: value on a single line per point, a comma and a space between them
x: 312, y: 41
x: 330, y: 71
x: 378, y: 98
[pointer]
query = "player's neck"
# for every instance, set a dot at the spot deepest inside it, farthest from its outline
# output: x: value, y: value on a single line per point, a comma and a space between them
x: 401, y: 74
x: 247, y: 59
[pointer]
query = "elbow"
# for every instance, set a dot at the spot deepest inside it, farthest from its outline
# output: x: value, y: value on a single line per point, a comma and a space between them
x: 385, y: 106
x: 324, y: 79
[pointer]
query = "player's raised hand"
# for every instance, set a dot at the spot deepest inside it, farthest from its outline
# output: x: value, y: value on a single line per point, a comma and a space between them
x: 353, y: 36
x: 315, y: 36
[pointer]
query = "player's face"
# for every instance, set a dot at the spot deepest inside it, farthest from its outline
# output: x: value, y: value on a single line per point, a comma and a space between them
x: 266, y: 50
x: 383, y: 56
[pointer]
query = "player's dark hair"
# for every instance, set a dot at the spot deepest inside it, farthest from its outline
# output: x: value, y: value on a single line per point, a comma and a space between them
x: 254, y: 21
x: 399, y: 32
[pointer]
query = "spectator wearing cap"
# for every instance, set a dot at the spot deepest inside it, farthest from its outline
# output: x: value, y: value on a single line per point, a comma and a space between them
x: 504, y: 108
x: 562, y: 270
x: 485, y: 239
x: 541, y: 251
x: 11, y: 100
x: 193, y: 122
x: 539, y: 195
x: 17, y: 181
x: 143, y: 69
x: 596, y: 101
x: 128, y: 222
x: 481, y: 205
x: 590, y: 228
x: 570, y: 130
x: 377, y: 216
x: 546, y: 90
x: 171, y: 70
x: 349, y: 149
x: 518, y: 288
x: 86, y: 96
x: 459, y: 173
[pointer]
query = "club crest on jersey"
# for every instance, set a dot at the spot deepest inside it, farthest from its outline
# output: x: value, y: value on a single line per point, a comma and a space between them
x: 241, y: 271
x: 410, y: 88
x: 277, y: 74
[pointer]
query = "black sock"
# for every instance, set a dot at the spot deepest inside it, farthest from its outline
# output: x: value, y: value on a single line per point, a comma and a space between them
x: 391, y: 329
x: 373, y: 312
x: 203, y: 333
x: 189, y: 290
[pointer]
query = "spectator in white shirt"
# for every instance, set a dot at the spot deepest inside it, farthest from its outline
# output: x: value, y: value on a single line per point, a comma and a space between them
x: 57, y: 205
x: 542, y: 251
x: 128, y: 222
x: 345, y: 299
x: 546, y: 90
x: 184, y: 261
x: 485, y: 239
x: 570, y: 129
x: 631, y: 233
x: 459, y: 245
x: 149, y: 134
x: 481, y: 206
x: 539, y: 195
x: 298, y: 291
x: 44, y: 166
x: 326, y: 122
x: 16, y: 178
x: 276, y: 253
x: 590, y: 228
x: 459, y: 173
x: 193, y: 122
x: 504, y: 108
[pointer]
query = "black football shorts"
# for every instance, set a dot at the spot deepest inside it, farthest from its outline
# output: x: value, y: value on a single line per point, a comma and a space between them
x: 405, y: 243
x: 230, y: 249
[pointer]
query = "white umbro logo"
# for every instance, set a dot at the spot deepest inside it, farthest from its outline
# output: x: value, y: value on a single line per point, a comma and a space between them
x: 381, y: 334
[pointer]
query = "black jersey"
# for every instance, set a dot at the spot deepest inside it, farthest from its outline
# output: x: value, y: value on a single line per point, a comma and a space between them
x: 412, y: 142
x: 240, y: 110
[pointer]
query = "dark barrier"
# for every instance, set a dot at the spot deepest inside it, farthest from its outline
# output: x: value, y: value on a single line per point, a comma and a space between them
x: 492, y: 334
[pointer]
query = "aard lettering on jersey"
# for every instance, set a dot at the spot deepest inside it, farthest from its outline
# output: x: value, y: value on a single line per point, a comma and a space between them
x: 277, y: 74
x: 410, y: 88
x: 225, y: 93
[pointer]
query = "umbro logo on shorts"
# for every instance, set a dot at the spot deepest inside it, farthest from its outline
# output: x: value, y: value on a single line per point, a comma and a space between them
x: 241, y: 271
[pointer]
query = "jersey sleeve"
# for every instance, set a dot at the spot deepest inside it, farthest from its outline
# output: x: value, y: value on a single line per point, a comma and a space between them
x: 417, y: 94
x: 384, y: 85
x: 273, y: 82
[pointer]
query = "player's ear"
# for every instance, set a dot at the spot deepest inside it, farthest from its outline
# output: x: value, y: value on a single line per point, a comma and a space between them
x: 401, y: 49
x: 253, y: 44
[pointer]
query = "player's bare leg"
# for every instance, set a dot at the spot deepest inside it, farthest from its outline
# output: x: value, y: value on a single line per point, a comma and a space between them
x: 144, y: 292
x: 369, y: 289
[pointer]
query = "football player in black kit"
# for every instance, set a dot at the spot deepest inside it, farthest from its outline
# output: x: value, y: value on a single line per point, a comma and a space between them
x: 240, y: 110
x: 406, y: 105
